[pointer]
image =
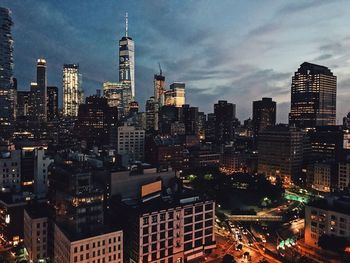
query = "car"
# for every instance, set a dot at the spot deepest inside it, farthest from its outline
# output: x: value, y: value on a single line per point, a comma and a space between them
x: 239, y: 247
x: 239, y: 237
x: 244, y: 231
x: 250, y: 243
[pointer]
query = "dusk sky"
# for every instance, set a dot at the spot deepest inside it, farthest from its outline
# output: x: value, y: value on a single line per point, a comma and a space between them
x: 238, y: 51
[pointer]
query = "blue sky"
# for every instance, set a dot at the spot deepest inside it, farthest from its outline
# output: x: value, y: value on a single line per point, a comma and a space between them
x: 239, y: 51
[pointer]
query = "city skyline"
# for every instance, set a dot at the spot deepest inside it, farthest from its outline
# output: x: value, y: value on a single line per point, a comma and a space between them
x: 260, y: 52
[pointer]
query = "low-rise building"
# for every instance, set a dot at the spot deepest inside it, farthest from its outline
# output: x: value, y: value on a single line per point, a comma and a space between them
x: 105, y: 246
x: 36, y: 234
x: 329, y: 216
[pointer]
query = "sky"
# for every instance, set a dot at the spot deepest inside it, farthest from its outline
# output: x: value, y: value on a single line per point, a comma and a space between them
x: 234, y: 50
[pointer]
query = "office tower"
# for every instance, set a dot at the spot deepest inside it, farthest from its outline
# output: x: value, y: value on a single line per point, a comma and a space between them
x: 189, y: 116
x: 176, y: 95
x: 225, y: 115
x: 23, y: 103
x: 131, y: 141
x: 151, y: 114
x: 264, y: 114
x: 127, y: 60
x: 327, y: 143
x: 52, y: 103
x: 6, y: 64
x: 280, y: 153
x: 159, y: 87
x: 41, y: 92
x: 72, y: 91
x: 10, y: 172
x: 118, y: 95
x: 313, y: 97
x: 95, y: 121
x: 327, y: 217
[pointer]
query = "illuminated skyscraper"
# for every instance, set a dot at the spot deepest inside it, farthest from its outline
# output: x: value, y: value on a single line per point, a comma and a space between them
x: 72, y: 91
x: 127, y: 59
x: 313, y: 97
x: 118, y: 95
x: 39, y: 92
x: 176, y: 95
x: 6, y: 64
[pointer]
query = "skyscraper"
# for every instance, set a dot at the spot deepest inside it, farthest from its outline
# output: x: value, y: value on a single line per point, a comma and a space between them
x: 313, y: 97
x: 159, y: 87
x: 72, y: 91
x: 127, y: 59
x: 41, y: 80
x: 6, y: 64
x: 118, y: 95
x: 264, y: 114
x: 176, y: 95
x: 281, y: 153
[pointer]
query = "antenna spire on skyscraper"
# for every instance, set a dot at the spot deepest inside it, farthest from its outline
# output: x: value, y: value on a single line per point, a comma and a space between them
x: 126, y: 24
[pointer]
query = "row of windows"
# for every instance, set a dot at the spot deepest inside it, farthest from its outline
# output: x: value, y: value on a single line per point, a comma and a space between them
x: 98, y: 244
x: 81, y: 258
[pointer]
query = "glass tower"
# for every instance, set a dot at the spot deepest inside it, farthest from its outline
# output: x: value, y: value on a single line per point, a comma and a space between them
x: 127, y: 60
x: 6, y: 63
x: 313, y: 97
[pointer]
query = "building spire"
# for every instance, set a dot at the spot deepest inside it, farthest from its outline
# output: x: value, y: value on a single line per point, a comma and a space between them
x: 126, y: 24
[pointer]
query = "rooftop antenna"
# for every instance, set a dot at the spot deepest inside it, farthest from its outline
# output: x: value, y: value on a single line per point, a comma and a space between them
x: 160, y: 69
x: 126, y: 24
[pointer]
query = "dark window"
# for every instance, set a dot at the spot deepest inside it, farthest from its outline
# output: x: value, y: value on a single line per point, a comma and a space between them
x: 199, y: 209
x: 188, y: 237
x: 188, y: 246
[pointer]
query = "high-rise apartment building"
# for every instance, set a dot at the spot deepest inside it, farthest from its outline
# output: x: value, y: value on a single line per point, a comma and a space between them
x: 264, y: 114
x: 225, y: 115
x: 127, y: 60
x: 189, y: 116
x: 176, y: 95
x: 52, y: 103
x: 313, y: 97
x: 72, y: 91
x: 6, y: 64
